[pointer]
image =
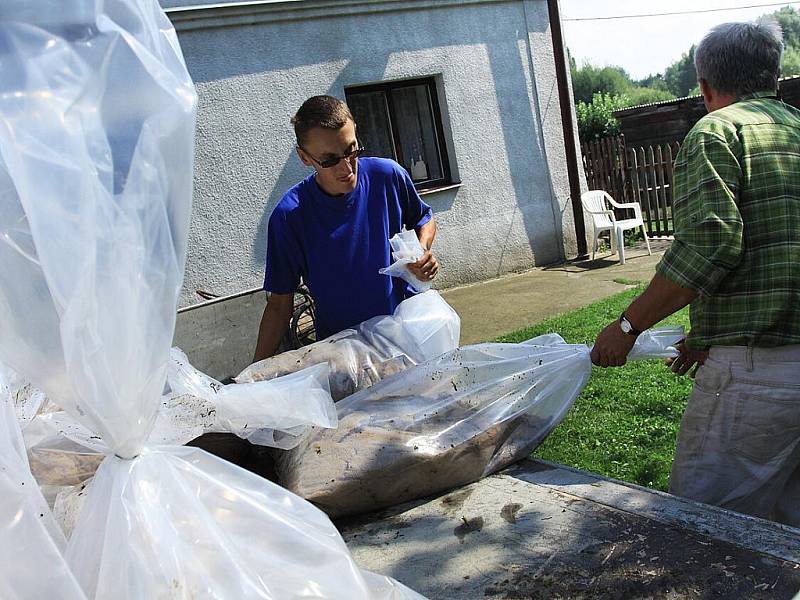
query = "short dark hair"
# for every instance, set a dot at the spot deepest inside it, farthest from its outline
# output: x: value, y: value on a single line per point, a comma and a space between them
x: 741, y: 58
x: 320, y: 111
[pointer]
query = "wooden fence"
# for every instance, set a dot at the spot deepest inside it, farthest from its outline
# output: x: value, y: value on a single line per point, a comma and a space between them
x: 642, y: 175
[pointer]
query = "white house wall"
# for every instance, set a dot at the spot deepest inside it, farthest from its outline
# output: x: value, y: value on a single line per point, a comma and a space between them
x: 254, y: 65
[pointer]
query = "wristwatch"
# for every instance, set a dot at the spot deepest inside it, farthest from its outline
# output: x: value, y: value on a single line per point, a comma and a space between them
x: 626, y: 326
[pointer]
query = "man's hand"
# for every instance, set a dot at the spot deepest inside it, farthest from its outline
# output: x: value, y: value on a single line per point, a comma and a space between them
x: 426, y: 268
x: 687, y: 359
x: 612, y: 346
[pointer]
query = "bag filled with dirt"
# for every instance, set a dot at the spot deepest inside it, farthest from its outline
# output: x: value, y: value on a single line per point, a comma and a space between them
x: 445, y: 423
x: 422, y: 327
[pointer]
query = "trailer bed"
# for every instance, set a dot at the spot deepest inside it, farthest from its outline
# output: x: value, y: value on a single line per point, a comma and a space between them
x: 540, y: 530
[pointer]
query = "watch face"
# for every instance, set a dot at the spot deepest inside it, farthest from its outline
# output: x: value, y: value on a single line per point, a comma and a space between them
x: 624, y: 325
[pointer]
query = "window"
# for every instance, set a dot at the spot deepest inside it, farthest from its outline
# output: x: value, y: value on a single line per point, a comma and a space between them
x: 401, y: 120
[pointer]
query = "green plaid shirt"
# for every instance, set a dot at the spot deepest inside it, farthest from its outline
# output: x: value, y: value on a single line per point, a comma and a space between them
x: 736, y: 210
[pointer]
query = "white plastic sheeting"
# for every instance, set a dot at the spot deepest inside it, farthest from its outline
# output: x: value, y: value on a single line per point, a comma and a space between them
x: 96, y: 148
x: 446, y: 422
x: 422, y: 327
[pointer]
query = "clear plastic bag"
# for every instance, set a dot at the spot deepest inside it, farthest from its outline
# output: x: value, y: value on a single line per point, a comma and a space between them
x: 406, y: 250
x: 445, y: 423
x: 657, y: 343
x: 31, y: 543
x: 26, y: 399
x: 96, y: 149
x: 258, y: 539
x: 422, y: 327
x: 273, y: 413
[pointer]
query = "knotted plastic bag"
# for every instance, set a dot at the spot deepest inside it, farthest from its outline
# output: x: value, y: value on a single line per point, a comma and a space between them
x: 96, y: 151
x: 422, y: 327
x: 445, y: 422
x: 276, y: 413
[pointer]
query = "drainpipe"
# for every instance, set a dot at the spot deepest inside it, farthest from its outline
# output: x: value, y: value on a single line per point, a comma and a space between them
x: 565, y: 102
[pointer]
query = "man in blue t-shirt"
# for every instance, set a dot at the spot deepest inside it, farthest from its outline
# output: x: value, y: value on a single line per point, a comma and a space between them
x: 332, y: 229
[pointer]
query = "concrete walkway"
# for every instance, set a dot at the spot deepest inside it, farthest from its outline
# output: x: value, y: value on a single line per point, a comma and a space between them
x: 493, y: 308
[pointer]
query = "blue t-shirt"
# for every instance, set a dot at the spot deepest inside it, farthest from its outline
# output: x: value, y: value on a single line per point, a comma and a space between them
x: 336, y: 244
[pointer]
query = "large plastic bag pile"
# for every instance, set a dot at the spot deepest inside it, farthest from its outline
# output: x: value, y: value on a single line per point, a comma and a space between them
x: 422, y: 327
x: 96, y: 149
x: 446, y: 422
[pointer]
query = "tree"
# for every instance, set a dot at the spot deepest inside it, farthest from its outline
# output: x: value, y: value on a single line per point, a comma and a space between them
x: 655, y: 82
x: 599, y: 91
x: 789, y: 19
x: 614, y: 82
x: 588, y: 80
x: 681, y: 76
x: 790, y: 64
x: 646, y: 95
x: 595, y: 118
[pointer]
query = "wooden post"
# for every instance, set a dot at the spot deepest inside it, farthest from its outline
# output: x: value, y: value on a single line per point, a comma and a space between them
x: 636, y: 188
x: 670, y: 190
x: 662, y: 192
x: 568, y: 130
x: 652, y: 190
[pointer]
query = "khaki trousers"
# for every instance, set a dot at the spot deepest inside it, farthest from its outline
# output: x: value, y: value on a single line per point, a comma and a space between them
x: 739, y: 440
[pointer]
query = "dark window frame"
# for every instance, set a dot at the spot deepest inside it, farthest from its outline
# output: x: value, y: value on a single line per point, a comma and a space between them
x: 386, y: 88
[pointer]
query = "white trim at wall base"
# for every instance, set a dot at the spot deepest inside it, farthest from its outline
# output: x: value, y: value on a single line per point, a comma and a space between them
x: 186, y: 18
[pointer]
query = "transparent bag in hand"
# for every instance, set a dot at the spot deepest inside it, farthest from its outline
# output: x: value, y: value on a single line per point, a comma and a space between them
x: 422, y: 327
x: 406, y: 250
x: 96, y: 148
x: 446, y: 422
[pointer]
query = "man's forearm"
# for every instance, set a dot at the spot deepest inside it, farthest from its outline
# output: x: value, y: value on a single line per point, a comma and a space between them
x: 274, y: 323
x: 427, y: 233
x: 661, y: 298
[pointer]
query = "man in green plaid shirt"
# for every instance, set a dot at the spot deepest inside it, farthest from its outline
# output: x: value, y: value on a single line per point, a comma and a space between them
x: 736, y: 262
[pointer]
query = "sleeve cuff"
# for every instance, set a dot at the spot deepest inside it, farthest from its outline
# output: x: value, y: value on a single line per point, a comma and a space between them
x: 280, y: 292
x: 425, y: 219
x: 687, y: 268
x: 271, y: 288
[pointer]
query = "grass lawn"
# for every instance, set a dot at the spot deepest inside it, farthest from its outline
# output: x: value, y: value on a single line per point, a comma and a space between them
x: 625, y: 422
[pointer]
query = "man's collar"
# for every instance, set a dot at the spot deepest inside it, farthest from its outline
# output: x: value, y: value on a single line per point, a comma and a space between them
x: 759, y: 94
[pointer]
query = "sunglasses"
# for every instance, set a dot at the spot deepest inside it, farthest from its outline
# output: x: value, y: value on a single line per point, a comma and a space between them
x: 332, y: 162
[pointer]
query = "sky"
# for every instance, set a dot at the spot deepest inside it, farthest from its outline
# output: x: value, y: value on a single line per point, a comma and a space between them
x: 647, y: 45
